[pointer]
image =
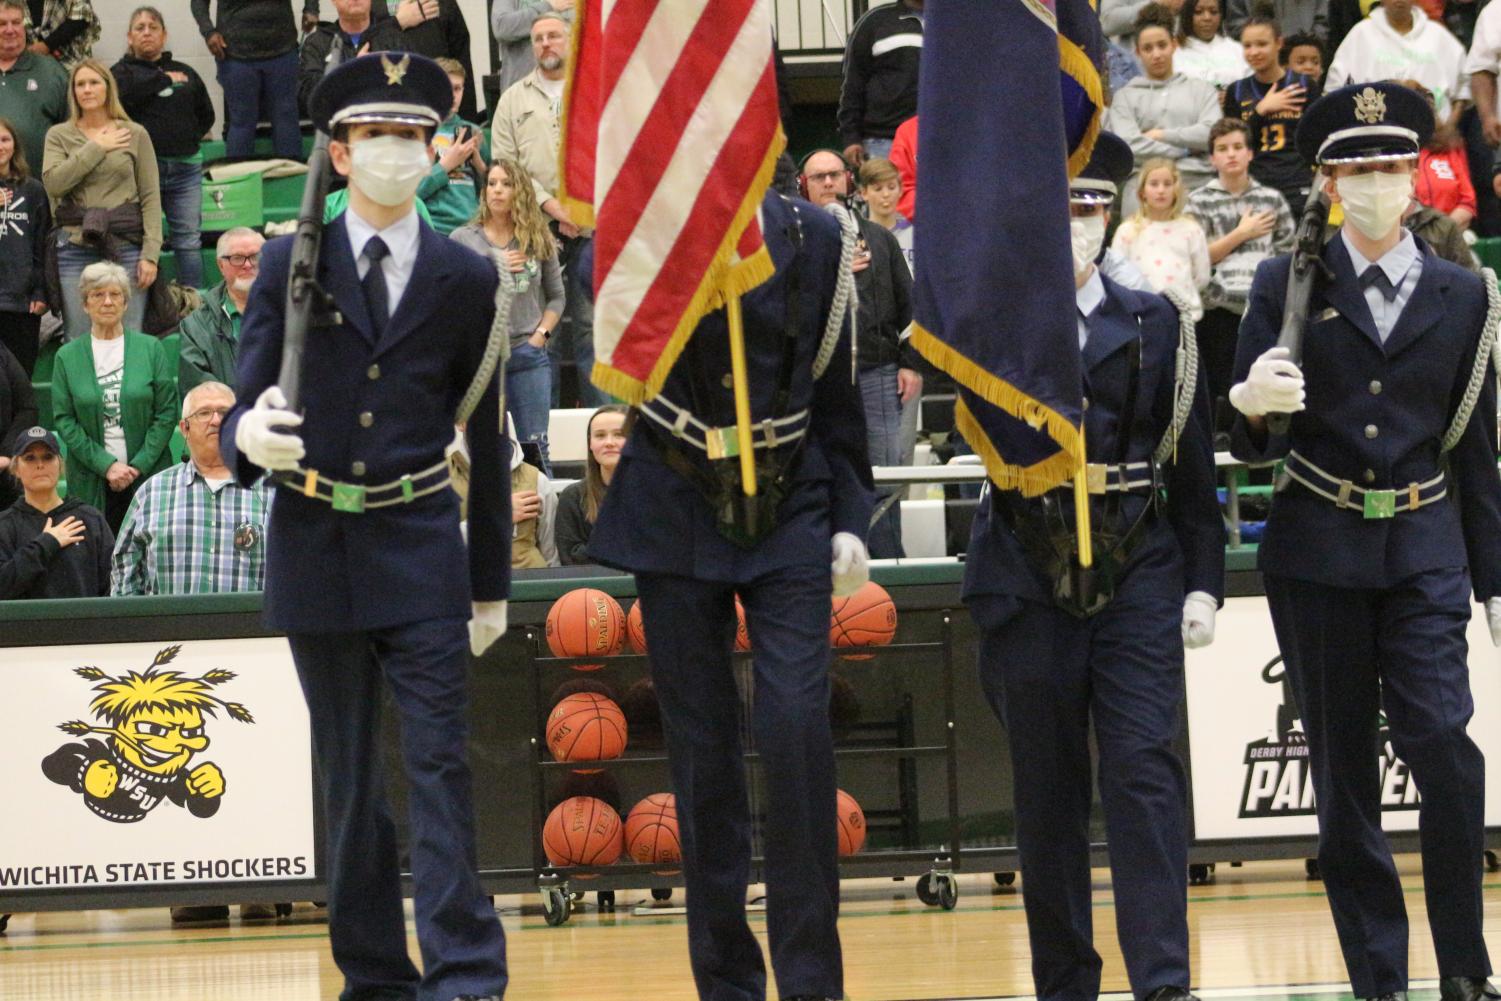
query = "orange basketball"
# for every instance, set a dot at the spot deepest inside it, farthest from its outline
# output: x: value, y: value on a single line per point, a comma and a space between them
x: 865, y: 618
x: 582, y: 830
x: 742, y: 634
x: 651, y: 831
x: 851, y: 820
x: 585, y: 623
x: 635, y: 628
x: 586, y: 726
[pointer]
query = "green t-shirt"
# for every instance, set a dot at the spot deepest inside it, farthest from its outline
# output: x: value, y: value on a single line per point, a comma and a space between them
x: 337, y: 201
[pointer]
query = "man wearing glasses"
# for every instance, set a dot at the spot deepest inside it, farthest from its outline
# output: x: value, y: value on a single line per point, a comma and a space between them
x: 192, y: 529
x: 211, y: 333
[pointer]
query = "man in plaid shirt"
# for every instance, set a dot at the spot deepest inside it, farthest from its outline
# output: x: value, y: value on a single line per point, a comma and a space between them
x: 1245, y: 222
x: 193, y: 529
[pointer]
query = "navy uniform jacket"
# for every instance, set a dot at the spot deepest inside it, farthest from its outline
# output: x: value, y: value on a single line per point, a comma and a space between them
x: 329, y: 571
x: 1376, y: 415
x: 655, y: 521
x: 1189, y: 543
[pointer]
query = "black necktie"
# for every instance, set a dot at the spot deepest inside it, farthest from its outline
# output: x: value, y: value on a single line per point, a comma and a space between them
x: 374, y: 284
x: 1374, y: 275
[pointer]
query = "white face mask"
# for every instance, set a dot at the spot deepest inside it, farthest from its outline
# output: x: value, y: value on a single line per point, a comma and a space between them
x: 388, y: 168
x: 1088, y: 236
x: 1374, y: 203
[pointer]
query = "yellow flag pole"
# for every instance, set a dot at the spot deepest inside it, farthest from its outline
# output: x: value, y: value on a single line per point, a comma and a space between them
x: 742, y: 395
x: 1081, y: 505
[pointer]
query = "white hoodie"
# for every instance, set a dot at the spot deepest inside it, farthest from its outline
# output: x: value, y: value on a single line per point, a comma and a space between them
x: 1428, y: 53
x: 1220, y: 60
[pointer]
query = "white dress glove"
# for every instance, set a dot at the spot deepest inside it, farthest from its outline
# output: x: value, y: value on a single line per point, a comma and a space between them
x: 487, y: 625
x: 1198, y: 619
x: 1273, y: 386
x: 257, y: 438
x: 1493, y: 618
x: 851, y: 564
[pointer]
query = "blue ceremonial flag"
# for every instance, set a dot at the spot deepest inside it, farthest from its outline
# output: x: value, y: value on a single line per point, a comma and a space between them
x: 1009, y: 107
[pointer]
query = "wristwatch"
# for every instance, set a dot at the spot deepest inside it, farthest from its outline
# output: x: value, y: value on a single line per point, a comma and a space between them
x: 546, y: 334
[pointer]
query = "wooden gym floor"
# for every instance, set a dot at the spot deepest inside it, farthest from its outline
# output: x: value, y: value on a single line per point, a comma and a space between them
x: 1262, y: 932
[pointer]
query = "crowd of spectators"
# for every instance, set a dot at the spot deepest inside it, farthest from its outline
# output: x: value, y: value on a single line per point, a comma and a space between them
x: 94, y: 159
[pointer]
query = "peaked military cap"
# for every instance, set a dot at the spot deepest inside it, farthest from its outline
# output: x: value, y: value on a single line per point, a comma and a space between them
x: 400, y: 87
x: 1108, y: 167
x: 1365, y: 121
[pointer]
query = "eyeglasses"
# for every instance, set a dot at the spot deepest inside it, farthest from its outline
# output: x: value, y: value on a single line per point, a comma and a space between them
x: 106, y: 295
x: 241, y: 260
x: 206, y: 414
x: 827, y: 175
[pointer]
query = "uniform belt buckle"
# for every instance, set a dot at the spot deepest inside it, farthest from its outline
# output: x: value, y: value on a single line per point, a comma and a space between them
x: 1096, y: 476
x: 348, y: 497
x: 1380, y: 504
x: 722, y: 443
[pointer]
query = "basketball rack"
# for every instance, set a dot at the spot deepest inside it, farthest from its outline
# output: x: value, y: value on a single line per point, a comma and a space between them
x: 883, y: 753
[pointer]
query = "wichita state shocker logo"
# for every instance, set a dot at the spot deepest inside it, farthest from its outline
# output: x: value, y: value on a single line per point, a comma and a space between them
x: 153, y: 728
x: 1279, y: 780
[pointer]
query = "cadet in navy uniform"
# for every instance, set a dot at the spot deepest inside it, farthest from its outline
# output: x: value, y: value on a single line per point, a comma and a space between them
x: 366, y: 563
x: 1060, y: 648
x: 1377, y: 535
x: 682, y: 525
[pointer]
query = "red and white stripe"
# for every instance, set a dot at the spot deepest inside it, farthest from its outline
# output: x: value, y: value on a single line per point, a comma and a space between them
x: 670, y: 133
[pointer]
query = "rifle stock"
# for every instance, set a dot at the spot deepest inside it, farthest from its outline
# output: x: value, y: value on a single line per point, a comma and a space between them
x: 306, y: 301
x: 1308, y: 246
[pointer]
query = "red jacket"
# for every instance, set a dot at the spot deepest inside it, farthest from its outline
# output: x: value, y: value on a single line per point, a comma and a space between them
x: 904, y: 158
x: 1443, y: 180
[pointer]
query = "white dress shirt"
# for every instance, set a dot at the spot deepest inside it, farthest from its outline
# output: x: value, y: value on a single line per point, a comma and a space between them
x: 401, y: 244
x: 1088, y: 297
x: 1402, y: 264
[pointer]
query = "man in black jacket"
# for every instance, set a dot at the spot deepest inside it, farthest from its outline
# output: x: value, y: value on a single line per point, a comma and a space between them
x: 887, y: 364
x: 436, y: 29
x: 880, y: 78
x: 170, y: 101
x: 363, y: 31
x: 255, y: 44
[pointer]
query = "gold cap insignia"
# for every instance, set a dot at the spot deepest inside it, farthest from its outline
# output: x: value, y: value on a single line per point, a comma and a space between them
x: 395, y: 71
x: 1370, y: 106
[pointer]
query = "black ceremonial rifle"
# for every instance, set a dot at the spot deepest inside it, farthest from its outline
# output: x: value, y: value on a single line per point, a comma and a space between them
x: 307, y: 304
x: 1308, y: 264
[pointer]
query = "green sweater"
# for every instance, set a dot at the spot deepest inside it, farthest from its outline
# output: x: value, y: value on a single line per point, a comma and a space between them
x: 34, y: 97
x: 148, y: 410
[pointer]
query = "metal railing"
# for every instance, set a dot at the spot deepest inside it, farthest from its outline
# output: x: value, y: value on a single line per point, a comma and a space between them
x: 815, y: 27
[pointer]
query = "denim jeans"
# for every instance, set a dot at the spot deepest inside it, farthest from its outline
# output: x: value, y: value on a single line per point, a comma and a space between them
x: 578, y: 314
x: 71, y: 261
x: 883, y: 436
x: 182, y: 201
x: 877, y: 147
x: 528, y: 396
x: 256, y: 88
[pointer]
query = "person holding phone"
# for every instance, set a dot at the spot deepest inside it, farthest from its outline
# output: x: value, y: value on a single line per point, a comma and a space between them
x: 451, y: 189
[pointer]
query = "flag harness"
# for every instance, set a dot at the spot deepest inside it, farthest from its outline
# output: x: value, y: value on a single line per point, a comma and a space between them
x: 1051, y: 542
x: 743, y: 520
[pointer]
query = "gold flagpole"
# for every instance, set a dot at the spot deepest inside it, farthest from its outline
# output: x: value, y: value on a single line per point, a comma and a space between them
x: 742, y: 395
x: 1081, y: 504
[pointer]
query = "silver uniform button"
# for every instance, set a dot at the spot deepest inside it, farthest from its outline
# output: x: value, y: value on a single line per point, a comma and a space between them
x: 367, y: 419
x: 1375, y: 387
x: 728, y: 382
x: 357, y: 469
x: 1370, y: 476
x: 1371, y: 431
x: 372, y: 373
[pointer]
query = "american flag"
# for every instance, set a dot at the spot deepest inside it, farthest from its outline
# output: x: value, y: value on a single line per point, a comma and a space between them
x: 670, y: 135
